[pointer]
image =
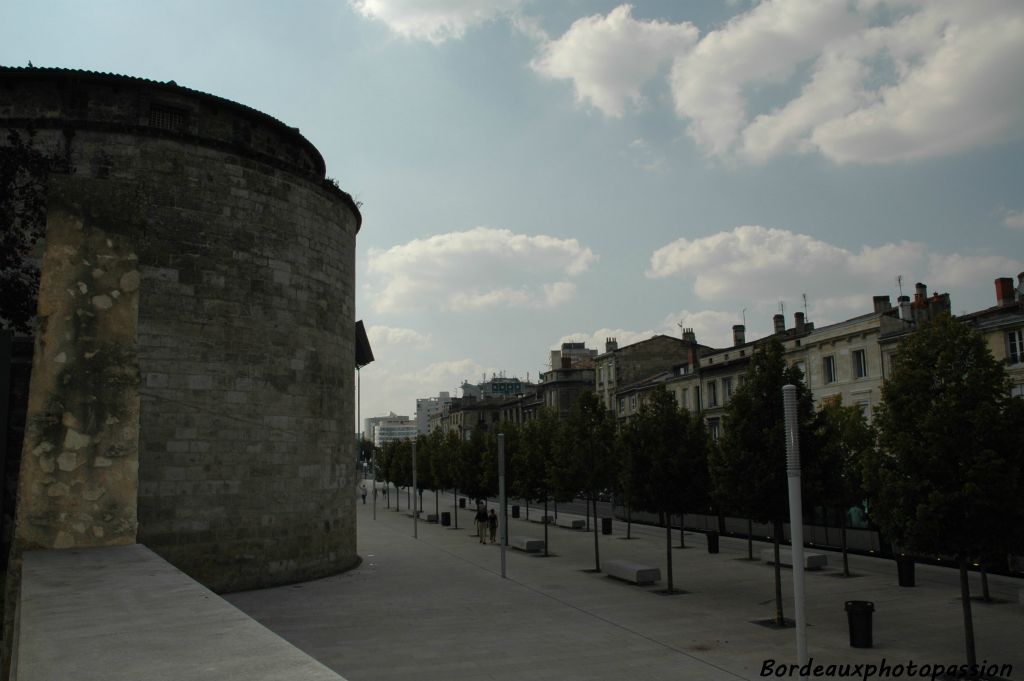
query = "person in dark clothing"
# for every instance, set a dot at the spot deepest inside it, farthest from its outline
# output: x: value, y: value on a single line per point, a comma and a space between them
x: 481, y: 523
x: 492, y: 524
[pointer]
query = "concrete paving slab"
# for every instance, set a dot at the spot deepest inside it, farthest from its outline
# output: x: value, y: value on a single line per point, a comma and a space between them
x: 436, y: 607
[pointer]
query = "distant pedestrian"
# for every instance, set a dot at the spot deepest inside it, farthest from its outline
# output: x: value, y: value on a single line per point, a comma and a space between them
x: 492, y: 524
x: 481, y: 523
x: 362, y: 489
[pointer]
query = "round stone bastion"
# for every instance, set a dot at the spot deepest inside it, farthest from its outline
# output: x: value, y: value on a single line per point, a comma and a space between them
x: 192, y: 384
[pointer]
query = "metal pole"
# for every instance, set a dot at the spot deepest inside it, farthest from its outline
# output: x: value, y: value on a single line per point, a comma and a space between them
x: 415, y: 513
x: 796, y: 520
x: 503, y: 501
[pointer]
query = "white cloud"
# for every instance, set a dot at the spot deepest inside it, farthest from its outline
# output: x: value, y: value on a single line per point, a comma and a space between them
x: 760, y: 266
x: 1014, y: 219
x: 435, y: 21
x: 943, y: 77
x: 474, y: 269
x: 610, y: 58
x: 389, y: 335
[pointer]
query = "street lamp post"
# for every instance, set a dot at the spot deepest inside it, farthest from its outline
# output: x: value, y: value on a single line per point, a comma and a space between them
x: 415, y: 513
x: 503, y: 500
x: 796, y: 519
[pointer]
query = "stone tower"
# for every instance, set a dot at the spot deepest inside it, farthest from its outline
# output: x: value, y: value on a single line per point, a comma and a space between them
x: 191, y: 379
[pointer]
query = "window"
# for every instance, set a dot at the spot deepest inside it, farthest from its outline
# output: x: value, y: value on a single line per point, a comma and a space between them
x: 1015, y: 346
x: 714, y: 429
x: 712, y: 393
x: 860, y: 364
x: 632, y: 402
x: 828, y: 367
x: 684, y: 398
x: 726, y: 388
x: 803, y: 371
x: 1017, y: 390
x: 622, y: 404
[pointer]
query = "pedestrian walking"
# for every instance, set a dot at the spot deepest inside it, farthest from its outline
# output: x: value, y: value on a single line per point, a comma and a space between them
x: 481, y: 523
x: 362, y: 489
x: 492, y: 524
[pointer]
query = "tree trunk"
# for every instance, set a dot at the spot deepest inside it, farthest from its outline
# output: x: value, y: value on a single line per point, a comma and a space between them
x: 668, y: 553
x: 545, y: 523
x: 777, y: 536
x: 597, y: 550
x: 846, y: 555
x: 398, y: 498
x: 985, y: 595
x: 965, y: 598
x: 455, y: 505
x: 629, y: 522
x: 682, y: 541
x: 750, y: 539
x: 527, y: 509
x: 588, y: 511
x: 437, y: 503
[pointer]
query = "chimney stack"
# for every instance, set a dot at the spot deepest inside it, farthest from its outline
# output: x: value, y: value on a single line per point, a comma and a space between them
x: 1004, y: 292
x: 920, y: 295
x: 610, y: 345
x: 739, y: 334
x: 904, y: 304
x: 799, y: 317
x: 689, y: 335
x: 881, y: 303
x: 780, y: 323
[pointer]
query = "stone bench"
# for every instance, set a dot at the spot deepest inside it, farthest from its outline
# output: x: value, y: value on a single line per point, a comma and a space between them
x: 632, y: 572
x: 528, y: 544
x: 543, y: 520
x: 431, y: 517
x: 572, y: 523
x: 812, y: 561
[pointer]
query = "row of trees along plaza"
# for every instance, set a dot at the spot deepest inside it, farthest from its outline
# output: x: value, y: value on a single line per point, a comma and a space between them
x: 941, y: 468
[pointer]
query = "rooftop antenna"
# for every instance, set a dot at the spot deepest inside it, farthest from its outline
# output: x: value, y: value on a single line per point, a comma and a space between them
x: 805, y: 304
x: 899, y: 282
x: 680, y: 325
x: 782, y: 308
x: 743, y: 313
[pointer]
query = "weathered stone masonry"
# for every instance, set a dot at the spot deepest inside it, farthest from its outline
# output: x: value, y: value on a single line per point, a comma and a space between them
x: 197, y: 343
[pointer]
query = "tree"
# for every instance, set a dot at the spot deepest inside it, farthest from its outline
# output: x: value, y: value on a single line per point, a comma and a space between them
x: 846, y: 439
x: 748, y: 469
x: 23, y: 176
x: 531, y: 478
x: 585, y: 456
x: 948, y: 474
x: 674, y: 447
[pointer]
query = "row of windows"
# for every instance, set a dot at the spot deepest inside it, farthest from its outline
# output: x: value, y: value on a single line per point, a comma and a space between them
x: 828, y: 366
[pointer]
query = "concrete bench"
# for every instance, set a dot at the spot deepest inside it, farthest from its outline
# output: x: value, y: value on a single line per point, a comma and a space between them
x: 572, y: 523
x: 812, y: 561
x: 431, y: 517
x: 631, y: 572
x: 543, y: 520
x: 528, y: 544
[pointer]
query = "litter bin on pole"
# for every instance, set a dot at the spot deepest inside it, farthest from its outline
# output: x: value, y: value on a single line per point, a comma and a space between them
x: 446, y: 518
x: 905, y: 570
x: 712, y: 541
x: 858, y: 614
x: 462, y: 502
x: 606, y: 525
x: 515, y: 511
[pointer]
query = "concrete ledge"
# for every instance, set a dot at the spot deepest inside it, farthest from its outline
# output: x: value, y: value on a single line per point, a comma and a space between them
x: 632, y: 572
x: 572, y: 523
x: 122, y: 613
x: 528, y: 544
x: 812, y: 561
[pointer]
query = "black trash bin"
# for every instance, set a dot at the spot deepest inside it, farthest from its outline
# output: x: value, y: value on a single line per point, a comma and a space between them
x: 712, y: 542
x: 858, y: 614
x: 446, y: 518
x: 606, y: 525
x: 515, y: 511
x: 905, y: 569
x: 462, y: 502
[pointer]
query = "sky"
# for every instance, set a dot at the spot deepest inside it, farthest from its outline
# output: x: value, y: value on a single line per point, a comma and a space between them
x: 539, y: 171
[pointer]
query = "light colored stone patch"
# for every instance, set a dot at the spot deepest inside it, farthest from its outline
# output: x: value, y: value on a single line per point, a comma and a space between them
x: 115, y: 294
x: 93, y: 493
x: 129, y: 282
x: 47, y: 463
x: 68, y: 461
x: 82, y: 287
x: 97, y: 273
x: 70, y: 421
x: 102, y: 462
x: 90, y: 355
x: 61, y: 358
x: 76, y: 440
x: 65, y: 540
x: 57, y: 489
x: 102, y: 302
x: 97, y: 531
x: 42, y: 448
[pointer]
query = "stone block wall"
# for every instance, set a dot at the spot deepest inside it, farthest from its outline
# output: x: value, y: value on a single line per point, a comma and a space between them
x: 242, y: 348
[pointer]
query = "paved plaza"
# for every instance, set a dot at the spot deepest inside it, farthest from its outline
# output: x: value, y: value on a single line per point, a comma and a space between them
x: 435, y: 607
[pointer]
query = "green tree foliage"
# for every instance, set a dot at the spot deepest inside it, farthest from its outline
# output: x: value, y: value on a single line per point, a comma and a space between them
x: 530, y: 475
x: 584, y: 458
x: 948, y: 475
x: 23, y: 175
x: 748, y: 468
x: 670, y: 455
x: 846, y: 440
